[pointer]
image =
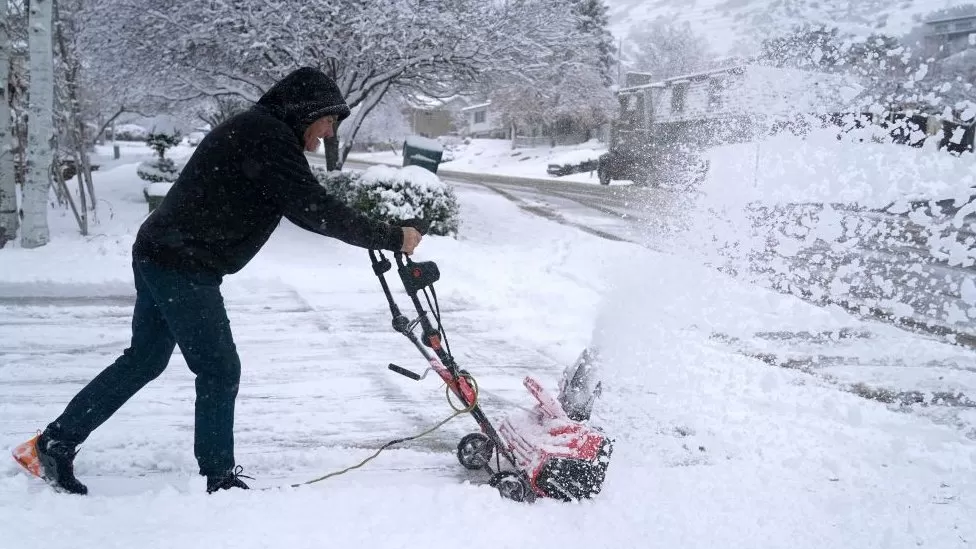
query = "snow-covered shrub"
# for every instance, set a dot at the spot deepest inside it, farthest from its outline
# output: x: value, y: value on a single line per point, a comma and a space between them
x: 395, y: 194
x: 160, y: 142
x: 158, y: 170
x: 162, y: 169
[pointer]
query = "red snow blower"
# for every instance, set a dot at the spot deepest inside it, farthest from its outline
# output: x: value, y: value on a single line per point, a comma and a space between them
x: 548, y: 451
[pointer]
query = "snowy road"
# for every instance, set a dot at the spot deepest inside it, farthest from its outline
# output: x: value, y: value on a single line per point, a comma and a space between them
x: 714, y: 447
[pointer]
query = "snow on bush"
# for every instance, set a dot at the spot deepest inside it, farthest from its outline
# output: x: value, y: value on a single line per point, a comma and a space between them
x: 158, y: 170
x: 395, y: 194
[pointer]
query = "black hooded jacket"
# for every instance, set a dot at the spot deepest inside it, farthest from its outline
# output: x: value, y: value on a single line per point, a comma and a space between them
x: 244, y: 176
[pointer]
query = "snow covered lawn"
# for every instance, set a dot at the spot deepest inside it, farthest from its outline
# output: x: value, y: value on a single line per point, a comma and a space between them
x: 496, y: 157
x: 714, y: 449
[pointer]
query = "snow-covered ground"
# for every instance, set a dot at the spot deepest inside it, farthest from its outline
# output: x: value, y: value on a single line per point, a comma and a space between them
x: 714, y: 448
x: 496, y: 156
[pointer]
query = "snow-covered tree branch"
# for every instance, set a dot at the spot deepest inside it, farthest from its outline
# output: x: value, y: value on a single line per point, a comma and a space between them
x: 241, y: 47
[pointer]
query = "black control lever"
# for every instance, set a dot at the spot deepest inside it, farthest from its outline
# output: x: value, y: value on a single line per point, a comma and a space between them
x: 405, y: 372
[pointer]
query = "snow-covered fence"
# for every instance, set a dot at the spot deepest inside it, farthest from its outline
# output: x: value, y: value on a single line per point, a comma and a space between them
x: 394, y: 194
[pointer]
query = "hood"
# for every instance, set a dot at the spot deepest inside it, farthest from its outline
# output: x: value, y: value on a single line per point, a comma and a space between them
x: 304, y: 96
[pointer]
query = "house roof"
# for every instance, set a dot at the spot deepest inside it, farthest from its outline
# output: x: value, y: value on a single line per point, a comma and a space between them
x: 683, y: 78
x: 426, y: 102
x: 950, y: 19
x: 478, y: 106
x: 772, y: 89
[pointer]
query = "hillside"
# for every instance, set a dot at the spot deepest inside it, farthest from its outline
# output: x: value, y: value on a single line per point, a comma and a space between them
x: 735, y: 26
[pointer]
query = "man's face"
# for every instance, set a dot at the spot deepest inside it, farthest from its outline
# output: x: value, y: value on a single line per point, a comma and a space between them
x: 323, y: 128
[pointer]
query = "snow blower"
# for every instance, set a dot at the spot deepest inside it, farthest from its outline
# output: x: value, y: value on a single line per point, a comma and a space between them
x: 548, y: 451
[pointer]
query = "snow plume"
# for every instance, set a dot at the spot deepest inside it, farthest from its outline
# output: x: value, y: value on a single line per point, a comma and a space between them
x: 886, y: 229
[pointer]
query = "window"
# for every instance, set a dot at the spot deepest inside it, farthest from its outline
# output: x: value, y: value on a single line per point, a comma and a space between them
x: 715, y: 87
x: 632, y: 107
x: 678, y: 94
x: 963, y: 25
x: 479, y: 117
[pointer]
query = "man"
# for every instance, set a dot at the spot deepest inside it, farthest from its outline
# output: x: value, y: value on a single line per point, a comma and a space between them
x: 243, y: 178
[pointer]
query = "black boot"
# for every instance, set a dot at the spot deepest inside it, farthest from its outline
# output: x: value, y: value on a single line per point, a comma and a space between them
x: 226, y: 480
x: 57, y: 465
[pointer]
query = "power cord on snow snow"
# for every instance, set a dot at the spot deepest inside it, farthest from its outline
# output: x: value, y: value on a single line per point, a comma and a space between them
x: 457, y: 412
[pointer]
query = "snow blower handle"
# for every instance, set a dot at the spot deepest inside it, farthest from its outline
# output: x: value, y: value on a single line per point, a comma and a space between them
x: 407, y: 373
x: 420, y: 225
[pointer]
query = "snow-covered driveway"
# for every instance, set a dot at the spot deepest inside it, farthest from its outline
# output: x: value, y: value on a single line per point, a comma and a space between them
x: 714, y: 446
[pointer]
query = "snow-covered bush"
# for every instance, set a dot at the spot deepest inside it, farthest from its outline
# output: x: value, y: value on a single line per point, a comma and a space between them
x: 158, y: 170
x: 162, y: 169
x: 161, y: 142
x: 395, y: 194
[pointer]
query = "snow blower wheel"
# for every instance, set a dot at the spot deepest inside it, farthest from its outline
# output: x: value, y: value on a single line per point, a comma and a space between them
x: 474, y: 451
x: 509, y: 485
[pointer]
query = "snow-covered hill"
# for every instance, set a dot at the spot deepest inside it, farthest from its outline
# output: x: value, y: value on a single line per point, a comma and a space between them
x: 735, y: 26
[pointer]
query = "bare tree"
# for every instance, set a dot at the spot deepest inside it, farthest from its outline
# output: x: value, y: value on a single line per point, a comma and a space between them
x: 666, y: 48
x: 70, y: 112
x: 221, y: 108
x: 35, y: 231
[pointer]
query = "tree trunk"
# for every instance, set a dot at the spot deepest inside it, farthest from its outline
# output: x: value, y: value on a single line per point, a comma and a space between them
x: 9, y: 220
x: 332, y: 153
x: 69, y: 56
x: 40, y: 124
x: 365, y: 108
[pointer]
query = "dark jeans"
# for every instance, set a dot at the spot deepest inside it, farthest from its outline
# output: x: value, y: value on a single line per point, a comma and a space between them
x: 172, y: 308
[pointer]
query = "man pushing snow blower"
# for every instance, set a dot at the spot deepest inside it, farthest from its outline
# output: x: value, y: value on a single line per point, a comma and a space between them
x: 245, y: 175
x: 549, y: 451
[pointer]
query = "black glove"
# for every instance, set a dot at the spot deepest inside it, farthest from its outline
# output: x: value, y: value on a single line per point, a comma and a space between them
x: 419, y: 224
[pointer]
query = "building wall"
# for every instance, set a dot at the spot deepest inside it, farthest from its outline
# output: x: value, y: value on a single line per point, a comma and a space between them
x: 948, y: 37
x: 431, y: 123
x: 490, y: 127
x: 750, y: 90
x: 697, y: 104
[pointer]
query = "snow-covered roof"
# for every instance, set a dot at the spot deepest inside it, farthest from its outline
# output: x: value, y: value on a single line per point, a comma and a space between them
x: 427, y: 102
x: 478, y: 106
x: 950, y: 19
x: 770, y: 90
x: 681, y: 79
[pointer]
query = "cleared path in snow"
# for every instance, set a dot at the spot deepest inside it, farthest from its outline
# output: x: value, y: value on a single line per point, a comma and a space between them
x: 713, y: 449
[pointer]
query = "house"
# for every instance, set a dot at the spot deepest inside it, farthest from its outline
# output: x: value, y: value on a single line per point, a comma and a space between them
x: 482, y: 122
x: 745, y: 91
x: 663, y: 122
x: 949, y: 36
x: 433, y: 117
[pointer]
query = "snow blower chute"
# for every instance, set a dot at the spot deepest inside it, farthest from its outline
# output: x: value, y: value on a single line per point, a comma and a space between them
x: 548, y: 451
